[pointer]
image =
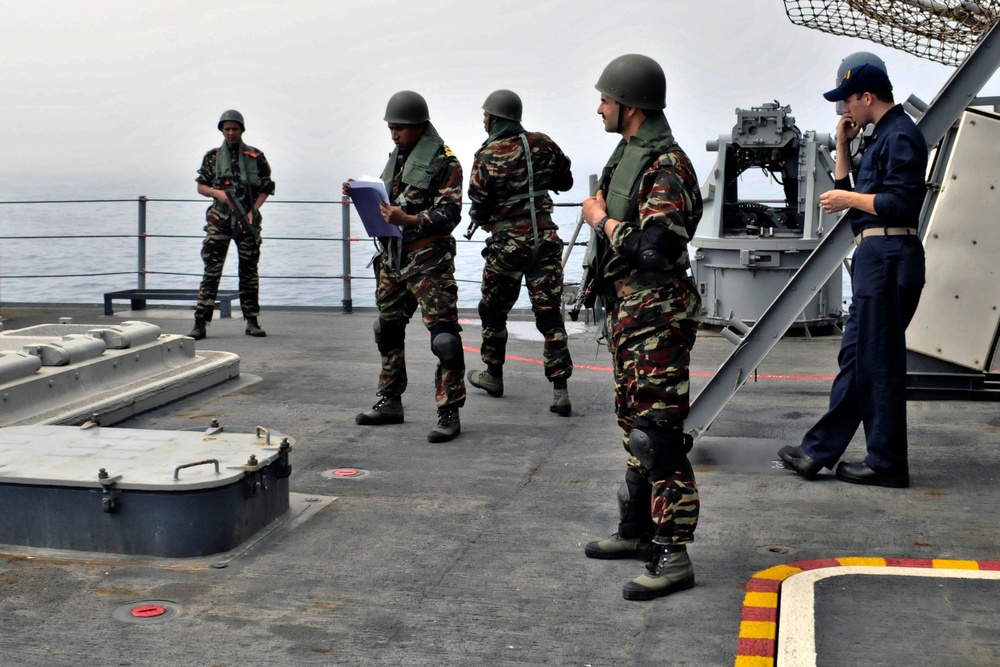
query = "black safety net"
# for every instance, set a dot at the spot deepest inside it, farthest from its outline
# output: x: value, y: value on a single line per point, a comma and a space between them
x: 944, y: 31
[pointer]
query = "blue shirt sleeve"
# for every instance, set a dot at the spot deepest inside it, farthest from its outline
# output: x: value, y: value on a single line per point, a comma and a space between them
x: 901, y: 195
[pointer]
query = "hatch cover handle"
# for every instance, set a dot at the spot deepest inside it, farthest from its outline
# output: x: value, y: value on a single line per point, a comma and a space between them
x: 177, y: 470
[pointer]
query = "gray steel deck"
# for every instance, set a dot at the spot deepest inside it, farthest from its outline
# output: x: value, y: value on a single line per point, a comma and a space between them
x: 470, y: 552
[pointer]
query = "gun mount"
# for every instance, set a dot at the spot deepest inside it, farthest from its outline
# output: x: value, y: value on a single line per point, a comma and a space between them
x: 749, y: 248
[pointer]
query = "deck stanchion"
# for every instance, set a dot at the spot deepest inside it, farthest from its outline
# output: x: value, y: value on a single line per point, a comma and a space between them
x: 140, y: 282
x: 346, y: 255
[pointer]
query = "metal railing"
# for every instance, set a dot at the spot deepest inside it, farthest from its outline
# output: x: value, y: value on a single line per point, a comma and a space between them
x: 42, y: 271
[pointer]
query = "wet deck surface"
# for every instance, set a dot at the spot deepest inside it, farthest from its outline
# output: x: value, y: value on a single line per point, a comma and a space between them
x: 470, y: 552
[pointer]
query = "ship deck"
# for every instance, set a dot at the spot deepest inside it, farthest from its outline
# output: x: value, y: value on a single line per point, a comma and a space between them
x: 470, y: 552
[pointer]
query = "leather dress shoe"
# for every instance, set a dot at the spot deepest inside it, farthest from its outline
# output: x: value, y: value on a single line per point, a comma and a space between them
x: 796, y: 459
x: 860, y: 473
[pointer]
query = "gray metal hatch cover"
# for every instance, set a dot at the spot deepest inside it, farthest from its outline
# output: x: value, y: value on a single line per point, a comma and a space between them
x: 148, y: 460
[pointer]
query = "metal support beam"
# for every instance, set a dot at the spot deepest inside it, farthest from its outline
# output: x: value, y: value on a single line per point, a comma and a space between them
x: 955, y: 96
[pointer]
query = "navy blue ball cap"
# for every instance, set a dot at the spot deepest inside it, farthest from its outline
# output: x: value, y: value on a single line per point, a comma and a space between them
x: 863, y: 79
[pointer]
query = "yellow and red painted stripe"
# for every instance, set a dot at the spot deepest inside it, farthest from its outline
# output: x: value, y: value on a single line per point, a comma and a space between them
x: 758, y: 641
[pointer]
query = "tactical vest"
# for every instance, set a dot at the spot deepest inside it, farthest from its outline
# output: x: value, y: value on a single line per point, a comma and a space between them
x: 417, y: 171
x: 630, y: 160
x: 248, y: 165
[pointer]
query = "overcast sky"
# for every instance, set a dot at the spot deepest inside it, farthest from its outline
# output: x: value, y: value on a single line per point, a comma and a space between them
x: 121, y: 97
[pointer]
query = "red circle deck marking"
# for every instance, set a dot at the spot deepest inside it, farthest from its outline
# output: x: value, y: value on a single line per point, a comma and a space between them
x: 149, y: 611
x: 345, y: 472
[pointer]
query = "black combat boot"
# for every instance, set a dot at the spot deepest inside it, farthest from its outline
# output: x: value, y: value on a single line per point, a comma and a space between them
x: 199, y: 330
x: 253, y: 329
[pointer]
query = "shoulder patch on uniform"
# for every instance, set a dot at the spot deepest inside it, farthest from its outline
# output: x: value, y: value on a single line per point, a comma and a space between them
x: 447, y: 151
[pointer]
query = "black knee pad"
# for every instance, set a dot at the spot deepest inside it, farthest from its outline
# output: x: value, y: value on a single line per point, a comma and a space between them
x: 660, y: 449
x: 490, y: 317
x: 389, y: 335
x: 446, y: 344
x: 635, y: 497
x: 547, y: 320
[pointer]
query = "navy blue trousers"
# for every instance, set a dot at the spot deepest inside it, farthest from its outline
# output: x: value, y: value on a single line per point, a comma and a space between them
x: 887, y: 277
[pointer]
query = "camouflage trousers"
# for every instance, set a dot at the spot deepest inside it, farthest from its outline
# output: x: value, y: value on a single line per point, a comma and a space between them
x: 219, y: 233
x: 397, y: 296
x: 651, y: 335
x: 511, y: 257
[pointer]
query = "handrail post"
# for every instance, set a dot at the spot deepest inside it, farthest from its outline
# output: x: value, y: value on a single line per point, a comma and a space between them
x: 347, y: 302
x: 141, y: 251
x: 579, y: 224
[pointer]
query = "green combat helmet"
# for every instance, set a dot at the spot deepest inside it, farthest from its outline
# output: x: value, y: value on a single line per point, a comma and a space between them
x: 634, y: 80
x: 857, y: 60
x: 407, y: 108
x: 853, y: 61
x: 233, y: 115
x: 503, y: 104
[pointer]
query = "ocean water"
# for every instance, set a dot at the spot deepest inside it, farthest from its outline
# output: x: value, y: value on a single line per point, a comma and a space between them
x: 75, y: 252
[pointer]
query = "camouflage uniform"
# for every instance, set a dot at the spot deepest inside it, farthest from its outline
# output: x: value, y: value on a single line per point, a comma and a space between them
x: 652, y: 321
x: 222, y: 226
x: 498, y: 188
x: 419, y: 269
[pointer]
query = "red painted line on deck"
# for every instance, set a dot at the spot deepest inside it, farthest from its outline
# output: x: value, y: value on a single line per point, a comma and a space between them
x: 608, y: 369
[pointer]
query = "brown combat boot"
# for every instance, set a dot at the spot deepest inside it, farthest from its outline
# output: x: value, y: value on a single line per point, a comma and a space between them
x: 253, y: 328
x: 616, y: 547
x: 489, y: 383
x: 560, y: 402
x: 669, y: 571
x: 200, y: 329
x: 448, y: 426
x: 389, y: 410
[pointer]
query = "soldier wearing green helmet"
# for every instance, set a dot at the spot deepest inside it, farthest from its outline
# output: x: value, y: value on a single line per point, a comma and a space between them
x: 644, y: 213
x: 423, y: 180
x: 237, y: 178
x: 509, y: 187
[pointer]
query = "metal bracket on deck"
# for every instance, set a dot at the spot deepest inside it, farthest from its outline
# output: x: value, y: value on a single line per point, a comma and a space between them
x: 109, y: 504
x: 735, y: 330
x: 282, y: 468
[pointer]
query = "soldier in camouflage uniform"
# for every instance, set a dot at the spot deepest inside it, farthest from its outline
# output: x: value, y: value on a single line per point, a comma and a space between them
x: 510, y: 200
x: 423, y: 179
x: 645, y: 213
x: 245, y: 172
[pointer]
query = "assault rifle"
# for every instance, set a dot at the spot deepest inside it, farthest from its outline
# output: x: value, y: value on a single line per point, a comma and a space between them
x: 583, y: 292
x: 245, y: 218
x: 473, y: 226
x: 586, y: 295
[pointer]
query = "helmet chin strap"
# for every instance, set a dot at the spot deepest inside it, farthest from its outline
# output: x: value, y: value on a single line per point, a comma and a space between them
x: 621, y: 107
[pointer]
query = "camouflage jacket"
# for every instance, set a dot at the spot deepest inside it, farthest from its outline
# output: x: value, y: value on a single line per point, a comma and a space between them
x: 439, y: 207
x: 498, y: 184
x: 668, y: 207
x: 207, y: 176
